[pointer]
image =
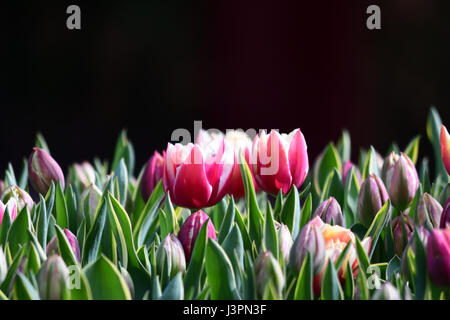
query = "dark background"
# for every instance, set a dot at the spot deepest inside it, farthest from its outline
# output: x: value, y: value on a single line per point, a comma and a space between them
x: 154, y: 66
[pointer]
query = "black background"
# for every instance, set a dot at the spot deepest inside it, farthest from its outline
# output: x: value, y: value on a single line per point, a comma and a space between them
x: 154, y: 66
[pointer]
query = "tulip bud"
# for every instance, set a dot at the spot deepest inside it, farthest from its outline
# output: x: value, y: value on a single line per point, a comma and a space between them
x: 438, y: 257
x: 403, y: 183
x: 89, y: 200
x: 429, y: 211
x: 402, y: 229
x: 21, y: 198
x: 12, y: 207
x: 386, y: 292
x: 268, y: 274
x: 152, y: 174
x: 388, y: 167
x: 445, y: 217
x: 330, y: 212
x: 445, y: 148
x: 2, y: 186
x: 422, y: 233
x: 310, y: 240
x: 3, y: 266
x: 53, y: 279
x: 348, y: 165
x: 85, y: 173
x: 372, y: 197
x: 170, y: 252
x: 128, y: 280
x: 190, y: 229
x: 44, y: 170
x: 284, y: 241
x: 52, y: 246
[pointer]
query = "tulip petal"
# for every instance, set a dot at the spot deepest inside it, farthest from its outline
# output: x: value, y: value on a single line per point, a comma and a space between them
x: 298, y: 158
x: 445, y: 148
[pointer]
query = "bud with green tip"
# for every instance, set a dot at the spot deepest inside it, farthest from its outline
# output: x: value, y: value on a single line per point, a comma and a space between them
x: 372, y: 197
x: 388, y: 167
x: 285, y: 241
x: 402, y: 230
x: 21, y: 198
x: 310, y: 240
x: 429, y: 211
x: 89, y: 200
x: 330, y: 212
x: 422, y: 233
x: 268, y: 275
x: 43, y: 170
x: 170, y: 252
x: 84, y: 173
x: 53, y: 279
x: 52, y: 246
x: 387, y: 292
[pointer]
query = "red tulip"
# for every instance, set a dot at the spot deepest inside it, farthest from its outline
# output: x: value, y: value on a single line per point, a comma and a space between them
x: 152, y: 174
x: 280, y: 161
x: 445, y: 147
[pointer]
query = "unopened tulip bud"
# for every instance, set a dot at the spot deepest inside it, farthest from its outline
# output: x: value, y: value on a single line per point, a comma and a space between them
x: 285, y: 241
x: 330, y: 212
x: 310, y: 240
x: 44, y: 170
x: 2, y: 186
x: 402, y: 229
x: 445, y: 217
x: 348, y: 165
x: 21, y: 198
x: 386, y: 292
x: 429, y: 211
x: 422, y: 233
x: 268, y: 274
x: 85, y: 173
x: 170, y: 255
x: 52, y: 246
x: 153, y: 172
x: 438, y: 257
x: 403, y: 183
x: 445, y: 148
x: 372, y: 197
x: 128, y: 280
x: 190, y: 229
x: 53, y: 279
x: 89, y: 200
x: 388, y: 167
x: 11, y: 205
x: 3, y: 266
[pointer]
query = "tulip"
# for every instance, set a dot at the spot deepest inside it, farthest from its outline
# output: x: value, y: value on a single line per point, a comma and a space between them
x: 445, y: 217
x: 388, y: 167
x: 387, y: 292
x: 280, y: 161
x: 372, y: 197
x: 2, y: 186
x: 197, y: 175
x: 285, y: 241
x: 348, y: 165
x: 53, y: 279
x: 402, y: 182
x: 308, y: 240
x: 52, y: 246
x: 43, y: 170
x: 422, y: 233
x: 239, y: 142
x: 21, y: 198
x: 438, y: 257
x: 3, y: 266
x: 402, y: 230
x: 152, y: 174
x: 12, y: 208
x: 170, y: 255
x: 445, y: 148
x: 429, y: 211
x: 268, y: 275
x: 85, y: 173
x: 330, y: 212
x: 190, y: 229
x: 89, y: 200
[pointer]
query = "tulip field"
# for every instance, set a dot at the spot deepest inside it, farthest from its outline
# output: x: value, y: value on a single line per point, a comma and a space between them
x: 233, y: 217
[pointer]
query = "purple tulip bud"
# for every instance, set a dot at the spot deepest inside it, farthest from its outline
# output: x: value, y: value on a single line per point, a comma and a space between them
x: 402, y: 229
x: 422, y: 233
x: 403, y: 183
x: 85, y: 173
x: 429, y: 211
x: 387, y: 292
x: 52, y: 246
x: 348, y: 165
x: 170, y: 252
x: 2, y: 187
x: 285, y: 241
x: 445, y: 217
x: 372, y: 197
x: 53, y: 279
x: 21, y: 198
x: 268, y: 274
x: 89, y: 200
x: 310, y: 240
x: 43, y: 169
x: 190, y: 229
x: 388, y: 167
x: 152, y: 174
x: 438, y: 257
x: 330, y: 212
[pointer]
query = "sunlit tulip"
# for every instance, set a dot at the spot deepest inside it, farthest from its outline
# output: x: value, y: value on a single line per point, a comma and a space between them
x: 372, y: 197
x: 330, y: 212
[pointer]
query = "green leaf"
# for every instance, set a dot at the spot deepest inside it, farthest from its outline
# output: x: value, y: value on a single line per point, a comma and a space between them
x: 420, y: 282
x: 219, y: 272
x: 124, y: 149
x: 174, y: 290
x: 363, y: 259
x: 370, y: 164
x: 121, y: 175
x: 42, y: 222
x: 304, y: 287
x: 377, y: 226
x: 10, y: 275
x: 349, y: 285
x: 18, y: 232
x: 290, y: 214
x: 41, y: 143
x: 344, y: 146
x: 412, y: 150
x: 227, y: 222
x: 23, y: 289
x: 62, y: 218
x: 393, y: 267
x: 433, y: 131
x: 351, y: 193
x: 105, y: 281
x: 270, y: 234
x: 327, y: 161
x: 331, y: 288
x: 91, y: 247
x: 65, y: 250
x: 306, y: 212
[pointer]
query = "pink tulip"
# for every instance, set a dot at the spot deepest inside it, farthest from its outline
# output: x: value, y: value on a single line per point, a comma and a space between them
x: 438, y: 257
x: 280, y: 160
x: 12, y: 206
x: 445, y: 147
x: 152, y: 174
x: 197, y: 175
